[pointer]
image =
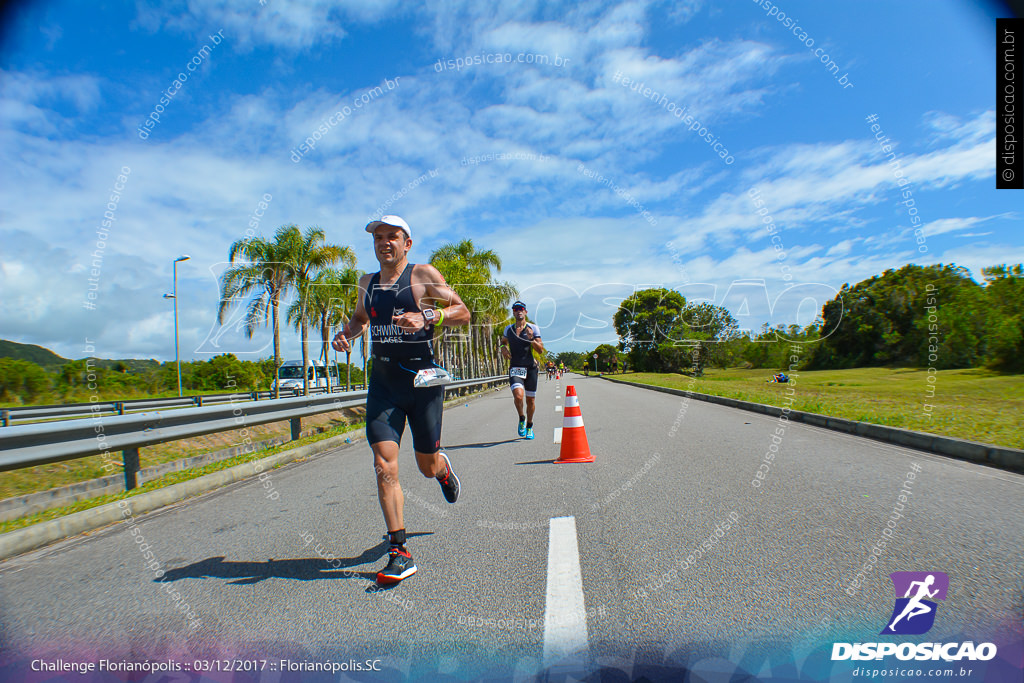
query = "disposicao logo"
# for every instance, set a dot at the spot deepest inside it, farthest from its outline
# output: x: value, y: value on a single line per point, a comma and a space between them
x: 913, y: 614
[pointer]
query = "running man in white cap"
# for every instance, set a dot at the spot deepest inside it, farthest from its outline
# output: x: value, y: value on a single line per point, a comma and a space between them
x: 402, y: 304
x: 518, y: 343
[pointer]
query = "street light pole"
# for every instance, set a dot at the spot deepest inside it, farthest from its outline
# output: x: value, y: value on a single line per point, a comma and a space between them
x: 174, y: 295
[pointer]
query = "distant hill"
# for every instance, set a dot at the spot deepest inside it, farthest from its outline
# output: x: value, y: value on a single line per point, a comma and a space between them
x: 48, y: 359
x: 132, y: 364
x: 30, y: 352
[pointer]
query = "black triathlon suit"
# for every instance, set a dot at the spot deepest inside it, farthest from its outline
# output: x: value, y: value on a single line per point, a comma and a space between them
x: 397, y: 356
x: 522, y: 365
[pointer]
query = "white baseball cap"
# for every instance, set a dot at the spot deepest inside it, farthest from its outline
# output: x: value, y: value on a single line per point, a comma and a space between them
x: 394, y: 221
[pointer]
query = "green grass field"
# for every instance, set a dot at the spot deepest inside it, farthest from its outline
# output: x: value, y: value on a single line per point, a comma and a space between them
x: 974, y: 404
x: 43, y: 477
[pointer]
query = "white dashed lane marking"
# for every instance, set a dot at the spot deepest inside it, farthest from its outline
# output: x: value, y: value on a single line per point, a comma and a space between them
x: 565, y: 615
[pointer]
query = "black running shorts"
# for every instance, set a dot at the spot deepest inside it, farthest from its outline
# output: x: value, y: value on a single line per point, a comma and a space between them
x: 392, y: 400
x: 524, y: 377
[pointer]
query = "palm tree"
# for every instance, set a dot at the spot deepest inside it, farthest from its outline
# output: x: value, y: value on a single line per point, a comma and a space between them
x: 305, y: 255
x: 349, y: 301
x: 502, y: 294
x: 469, y: 272
x: 456, y: 274
x: 262, y: 275
x: 332, y: 302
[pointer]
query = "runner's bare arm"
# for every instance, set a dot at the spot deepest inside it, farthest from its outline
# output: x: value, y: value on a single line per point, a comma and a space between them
x: 534, y: 338
x: 354, y: 327
x: 447, y: 301
x: 504, y: 348
x: 538, y: 346
x: 437, y: 292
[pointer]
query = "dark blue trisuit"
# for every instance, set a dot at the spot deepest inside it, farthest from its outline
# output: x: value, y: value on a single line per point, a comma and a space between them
x: 522, y: 365
x: 397, y: 356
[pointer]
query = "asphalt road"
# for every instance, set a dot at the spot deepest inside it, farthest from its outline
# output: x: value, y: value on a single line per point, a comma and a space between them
x: 290, y: 576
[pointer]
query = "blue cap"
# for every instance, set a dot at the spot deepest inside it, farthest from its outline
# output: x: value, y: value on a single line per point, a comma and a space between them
x: 518, y: 304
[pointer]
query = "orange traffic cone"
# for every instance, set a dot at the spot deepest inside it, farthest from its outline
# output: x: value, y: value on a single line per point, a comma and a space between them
x: 574, y: 437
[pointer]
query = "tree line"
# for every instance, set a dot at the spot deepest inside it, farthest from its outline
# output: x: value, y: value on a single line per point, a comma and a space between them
x: 26, y: 382
x: 927, y: 316
x: 918, y: 316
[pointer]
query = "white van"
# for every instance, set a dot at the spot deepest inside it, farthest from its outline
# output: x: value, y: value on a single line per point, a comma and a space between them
x: 289, y: 375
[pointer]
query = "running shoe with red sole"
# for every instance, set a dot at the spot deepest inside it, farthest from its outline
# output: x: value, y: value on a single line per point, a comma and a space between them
x: 400, y: 566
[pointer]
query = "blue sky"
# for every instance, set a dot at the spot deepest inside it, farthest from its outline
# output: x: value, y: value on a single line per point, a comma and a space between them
x: 587, y: 188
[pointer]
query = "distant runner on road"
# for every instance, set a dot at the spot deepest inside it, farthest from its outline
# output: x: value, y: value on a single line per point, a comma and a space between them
x: 518, y: 343
x: 402, y: 304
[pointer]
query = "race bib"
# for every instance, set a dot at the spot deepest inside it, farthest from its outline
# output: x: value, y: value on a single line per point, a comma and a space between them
x: 518, y: 372
x: 432, y: 377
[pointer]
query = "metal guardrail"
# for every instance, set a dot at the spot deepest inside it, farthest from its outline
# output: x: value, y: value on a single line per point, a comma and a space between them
x: 9, y: 416
x: 42, y: 443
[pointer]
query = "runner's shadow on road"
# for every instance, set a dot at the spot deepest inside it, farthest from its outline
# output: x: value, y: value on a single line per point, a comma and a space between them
x: 482, y: 444
x: 299, y: 569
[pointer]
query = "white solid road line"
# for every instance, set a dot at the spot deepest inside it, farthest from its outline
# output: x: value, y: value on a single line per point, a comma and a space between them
x: 565, y: 616
x: 558, y: 409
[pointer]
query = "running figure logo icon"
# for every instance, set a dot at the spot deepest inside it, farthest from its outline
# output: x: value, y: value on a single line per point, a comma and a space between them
x: 913, y: 613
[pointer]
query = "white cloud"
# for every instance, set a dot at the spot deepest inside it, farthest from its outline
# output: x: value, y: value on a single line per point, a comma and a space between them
x: 30, y: 100
x: 289, y: 24
x: 841, y: 249
x: 974, y: 257
x: 681, y: 11
x: 944, y: 225
x: 946, y: 127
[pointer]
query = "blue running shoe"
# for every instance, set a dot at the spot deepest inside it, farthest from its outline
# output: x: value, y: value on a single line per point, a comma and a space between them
x: 522, y: 427
x: 529, y: 432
